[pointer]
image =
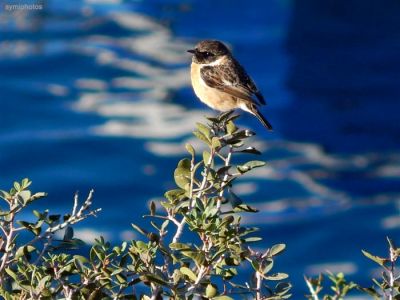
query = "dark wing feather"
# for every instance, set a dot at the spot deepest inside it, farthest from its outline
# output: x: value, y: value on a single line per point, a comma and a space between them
x: 231, y: 78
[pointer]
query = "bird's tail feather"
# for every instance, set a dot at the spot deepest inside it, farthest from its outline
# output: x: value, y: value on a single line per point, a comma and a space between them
x: 252, y: 108
x: 263, y: 120
x: 254, y: 111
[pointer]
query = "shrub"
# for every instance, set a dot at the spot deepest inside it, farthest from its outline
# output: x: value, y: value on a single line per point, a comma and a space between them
x: 195, y: 245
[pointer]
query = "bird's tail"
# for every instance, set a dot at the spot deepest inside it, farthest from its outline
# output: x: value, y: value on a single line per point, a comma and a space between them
x: 254, y: 111
x: 262, y: 119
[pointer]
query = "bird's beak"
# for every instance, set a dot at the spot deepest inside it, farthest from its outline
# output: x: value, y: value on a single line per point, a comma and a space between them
x: 193, y: 51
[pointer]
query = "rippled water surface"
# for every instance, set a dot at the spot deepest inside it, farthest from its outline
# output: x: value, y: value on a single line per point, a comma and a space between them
x: 95, y: 94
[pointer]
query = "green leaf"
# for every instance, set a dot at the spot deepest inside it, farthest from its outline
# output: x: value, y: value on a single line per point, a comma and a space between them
x: 4, y: 195
x: 206, y: 157
x: 222, y: 298
x: 268, y: 266
x: 25, y: 195
x: 252, y: 239
x: 30, y: 226
x: 182, y: 174
x: 164, y: 225
x: 211, y: 290
x: 139, y: 229
x: 215, y: 143
x: 155, y: 279
x: 223, y: 170
x: 12, y: 274
x: 17, y: 186
x: 96, y: 294
x: 25, y: 183
x: 201, y: 137
x: 37, y: 214
x: 250, y: 165
x: 189, y: 273
x: 282, y: 288
x: 231, y: 261
x: 230, y: 127
x: 227, y: 274
x: 225, y: 116
x: 237, y: 137
x: 227, y: 220
x: 44, y: 281
x: 276, y: 276
x: 204, y: 130
x: 180, y: 246
x: 24, y: 250
x: 197, y: 256
x: 38, y: 196
x: 120, y: 278
x: 190, y: 149
x: 4, y: 213
x: 175, y: 195
x: 379, y: 260
x: 371, y: 291
x: 255, y: 265
x: 245, y: 207
x: 81, y: 259
x: 277, y: 249
x: 250, y: 150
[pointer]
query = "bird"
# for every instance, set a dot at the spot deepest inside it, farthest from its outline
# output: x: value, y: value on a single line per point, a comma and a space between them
x: 220, y: 82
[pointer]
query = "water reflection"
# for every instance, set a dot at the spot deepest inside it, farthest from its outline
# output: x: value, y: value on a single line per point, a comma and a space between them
x: 343, y: 79
x: 125, y: 68
x: 344, y: 74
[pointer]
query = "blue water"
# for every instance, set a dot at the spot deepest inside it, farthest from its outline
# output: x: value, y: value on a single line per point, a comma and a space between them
x: 96, y: 95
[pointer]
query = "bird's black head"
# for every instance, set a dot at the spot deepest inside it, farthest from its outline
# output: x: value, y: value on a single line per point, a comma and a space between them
x: 208, y: 51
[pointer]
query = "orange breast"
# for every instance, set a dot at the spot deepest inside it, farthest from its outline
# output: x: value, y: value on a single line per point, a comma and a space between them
x: 212, y: 97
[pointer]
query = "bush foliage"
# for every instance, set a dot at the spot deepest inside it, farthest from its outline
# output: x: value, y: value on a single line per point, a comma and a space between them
x: 194, y: 247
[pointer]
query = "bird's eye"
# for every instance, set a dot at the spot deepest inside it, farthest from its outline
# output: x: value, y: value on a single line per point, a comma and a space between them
x: 208, y: 54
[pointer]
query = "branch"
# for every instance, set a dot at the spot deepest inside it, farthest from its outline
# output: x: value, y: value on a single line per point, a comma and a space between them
x: 225, y: 179
x: 199, y: 194
x: 314, y: 294
x: 258, y: 286
x: 74, y: 218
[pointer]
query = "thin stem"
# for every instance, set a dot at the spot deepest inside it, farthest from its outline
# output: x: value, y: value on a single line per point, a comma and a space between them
x: 199, y: 194
x: 75, y: 218
x: 314, y: 294
x: 66, y: 289
x: 225, y: 179
x: 48, y: 242
x: 156, y: 291
x: 207, y: 245
x: 75, y: 207
x: 391, y: 273
x: 258, y: 286
x: 9, y: 238
x: 207, y: 168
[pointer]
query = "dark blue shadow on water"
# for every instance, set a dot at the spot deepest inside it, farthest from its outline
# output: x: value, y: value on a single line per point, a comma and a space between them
x: 344, y: 74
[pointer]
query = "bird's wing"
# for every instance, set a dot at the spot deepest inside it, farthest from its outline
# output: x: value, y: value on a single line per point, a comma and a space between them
x: 231, y: 78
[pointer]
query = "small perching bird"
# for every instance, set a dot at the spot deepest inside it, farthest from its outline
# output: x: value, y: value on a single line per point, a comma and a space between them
x: 219, y: 80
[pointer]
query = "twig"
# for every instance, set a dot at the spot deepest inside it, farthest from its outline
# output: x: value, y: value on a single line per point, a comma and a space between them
x: 225, y: 179
x: 314, y: 294
x: 9, y: 239
x: 207, y: 167
x: 77, y: 217
x: 258, y: 285
x: 391, y: 272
